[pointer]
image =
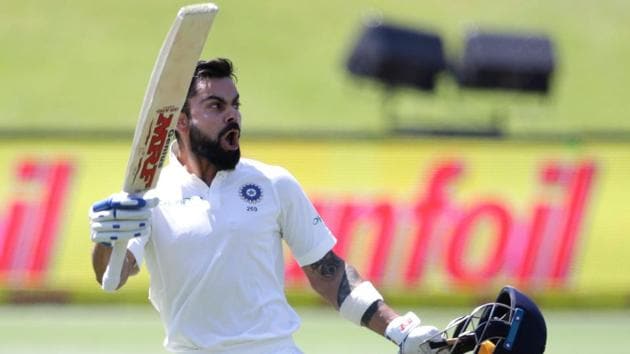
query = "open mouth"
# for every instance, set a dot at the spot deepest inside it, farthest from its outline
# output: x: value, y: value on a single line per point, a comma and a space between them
x: 230, y: 139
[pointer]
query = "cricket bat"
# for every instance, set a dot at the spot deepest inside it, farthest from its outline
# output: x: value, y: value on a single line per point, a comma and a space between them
x: 163, y: 101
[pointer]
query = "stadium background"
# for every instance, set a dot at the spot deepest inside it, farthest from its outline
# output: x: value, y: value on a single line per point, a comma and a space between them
x: 73, y: 75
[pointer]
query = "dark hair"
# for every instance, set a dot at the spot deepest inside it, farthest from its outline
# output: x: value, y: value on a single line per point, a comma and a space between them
x: 215, y: 68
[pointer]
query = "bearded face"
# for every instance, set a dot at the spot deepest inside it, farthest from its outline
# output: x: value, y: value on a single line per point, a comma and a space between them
x: 224, y: 152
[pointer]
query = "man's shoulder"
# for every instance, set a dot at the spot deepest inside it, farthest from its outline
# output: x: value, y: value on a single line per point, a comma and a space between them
x: 278, y: 177
x: 268, y: 171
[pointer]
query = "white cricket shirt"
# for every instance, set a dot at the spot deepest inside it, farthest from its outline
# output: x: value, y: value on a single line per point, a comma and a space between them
x: 215, y: 256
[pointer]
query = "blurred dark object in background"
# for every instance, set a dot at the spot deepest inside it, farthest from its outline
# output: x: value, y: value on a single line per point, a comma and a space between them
x: 509, y: 65
x: 521, y: 62
x: 398, y: 56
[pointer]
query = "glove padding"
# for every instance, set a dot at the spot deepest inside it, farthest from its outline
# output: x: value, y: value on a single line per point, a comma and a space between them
x: 420, y: 340
x: 412, y: 338
x: 121, y: 217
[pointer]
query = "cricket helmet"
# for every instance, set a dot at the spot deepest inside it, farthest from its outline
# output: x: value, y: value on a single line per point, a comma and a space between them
x: 512, y: 324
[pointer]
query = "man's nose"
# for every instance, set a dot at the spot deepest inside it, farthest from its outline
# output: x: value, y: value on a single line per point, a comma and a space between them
x: 232, y: 115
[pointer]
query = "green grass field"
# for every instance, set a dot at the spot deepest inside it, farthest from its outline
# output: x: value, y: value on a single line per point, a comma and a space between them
x: 137, y: 330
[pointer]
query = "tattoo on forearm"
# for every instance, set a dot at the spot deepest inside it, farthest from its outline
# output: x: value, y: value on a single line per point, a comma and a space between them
x: 349, y: 281
x: 328, y: 266
x: 344, y: 290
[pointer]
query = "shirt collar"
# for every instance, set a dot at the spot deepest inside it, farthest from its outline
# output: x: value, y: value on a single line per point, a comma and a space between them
x: 188, y: 179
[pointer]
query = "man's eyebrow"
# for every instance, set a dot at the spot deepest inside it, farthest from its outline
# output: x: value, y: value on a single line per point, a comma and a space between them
x: 214, y: 97
x: 220, y: 99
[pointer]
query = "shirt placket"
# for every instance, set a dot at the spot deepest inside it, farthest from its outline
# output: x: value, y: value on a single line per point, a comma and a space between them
x: 214, y: 192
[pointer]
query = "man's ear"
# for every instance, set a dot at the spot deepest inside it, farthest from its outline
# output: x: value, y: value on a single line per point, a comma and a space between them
x: 183, y: 123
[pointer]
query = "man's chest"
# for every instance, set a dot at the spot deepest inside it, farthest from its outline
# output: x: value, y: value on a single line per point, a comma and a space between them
x: 238, y: 213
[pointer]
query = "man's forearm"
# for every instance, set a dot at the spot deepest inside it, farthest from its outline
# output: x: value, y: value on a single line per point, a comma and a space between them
x: 332, y: 278
x: 381, y: 316
x: 335, y: 279
x: 100, y: 260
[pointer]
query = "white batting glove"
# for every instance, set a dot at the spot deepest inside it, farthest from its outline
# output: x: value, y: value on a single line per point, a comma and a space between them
x: 412, y: 338
x: 120, y: 218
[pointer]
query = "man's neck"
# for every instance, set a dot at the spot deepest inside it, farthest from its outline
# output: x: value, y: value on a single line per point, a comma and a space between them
x: 200, y: 167
x: 207, y: 171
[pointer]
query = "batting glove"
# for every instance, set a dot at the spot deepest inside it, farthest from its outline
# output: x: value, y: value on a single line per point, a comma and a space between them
x: 120, y: 218
x: 412, y: 338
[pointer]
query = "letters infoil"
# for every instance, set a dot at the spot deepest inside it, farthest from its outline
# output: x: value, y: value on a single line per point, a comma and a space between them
x: 481, y: 239
x: 468, y: 242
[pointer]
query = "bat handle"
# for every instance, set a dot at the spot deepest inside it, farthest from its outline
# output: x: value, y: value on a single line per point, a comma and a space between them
x: 111, y: 278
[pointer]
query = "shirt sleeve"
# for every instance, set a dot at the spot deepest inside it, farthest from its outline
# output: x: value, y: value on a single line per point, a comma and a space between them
x: 302, y: 228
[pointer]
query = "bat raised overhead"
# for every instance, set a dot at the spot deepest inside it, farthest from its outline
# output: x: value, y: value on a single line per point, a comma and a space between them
x: 162, y: 104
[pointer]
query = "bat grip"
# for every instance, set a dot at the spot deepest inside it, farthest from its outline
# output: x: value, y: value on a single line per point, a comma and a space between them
x: 111, y: 278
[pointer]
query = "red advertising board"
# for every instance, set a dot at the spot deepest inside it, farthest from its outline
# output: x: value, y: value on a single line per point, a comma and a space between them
x: 427, y: 217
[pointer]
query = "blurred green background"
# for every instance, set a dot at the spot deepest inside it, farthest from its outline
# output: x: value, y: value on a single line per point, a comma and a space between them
x: 84, y: 65
x: 80, y: 68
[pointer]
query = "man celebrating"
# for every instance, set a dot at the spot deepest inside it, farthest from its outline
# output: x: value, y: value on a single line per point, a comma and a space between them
x: 213, y: 243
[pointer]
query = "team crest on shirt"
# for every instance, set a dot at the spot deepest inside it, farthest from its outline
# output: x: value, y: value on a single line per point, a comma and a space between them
x: 251, y: 193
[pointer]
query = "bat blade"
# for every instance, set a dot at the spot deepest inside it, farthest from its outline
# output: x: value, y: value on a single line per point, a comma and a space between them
x: 165, y: 95
x: 163, y: 101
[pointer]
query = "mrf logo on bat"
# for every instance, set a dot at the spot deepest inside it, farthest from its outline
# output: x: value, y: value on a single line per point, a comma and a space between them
x: 157, y: 142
